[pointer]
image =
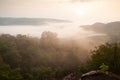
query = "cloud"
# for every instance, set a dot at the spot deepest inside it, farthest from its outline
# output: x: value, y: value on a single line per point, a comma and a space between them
x: 4, y: 21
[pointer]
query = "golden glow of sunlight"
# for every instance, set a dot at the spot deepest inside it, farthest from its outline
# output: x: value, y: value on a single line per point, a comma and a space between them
x: 83, y: 9
x: 80, y: 11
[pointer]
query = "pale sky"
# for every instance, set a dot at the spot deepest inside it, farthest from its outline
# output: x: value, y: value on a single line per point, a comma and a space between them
x: 83, y: 11
x: 80, y: 12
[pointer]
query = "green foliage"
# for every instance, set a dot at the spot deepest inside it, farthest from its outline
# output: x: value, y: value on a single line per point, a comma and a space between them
x: 7, y: 73
x: 30, y: 58
x: 8, y: 50
x: 82, y: 69
x: 104, y: 68
x: 108, y: 54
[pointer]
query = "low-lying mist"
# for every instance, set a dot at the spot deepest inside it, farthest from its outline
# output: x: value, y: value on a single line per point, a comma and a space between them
x: 48, y: 50
x: 53, y: 49
x: 51, y: 55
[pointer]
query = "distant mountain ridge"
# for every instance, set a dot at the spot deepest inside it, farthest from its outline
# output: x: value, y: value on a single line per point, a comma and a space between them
x: 111, y: 31
x: 111, y: 28
x: 5, y: 21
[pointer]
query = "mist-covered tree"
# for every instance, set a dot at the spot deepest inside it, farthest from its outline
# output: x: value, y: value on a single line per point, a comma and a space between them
x: 41, y: 58
x: 8, y: 50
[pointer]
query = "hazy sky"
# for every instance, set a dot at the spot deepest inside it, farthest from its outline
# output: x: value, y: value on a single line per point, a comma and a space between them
x: 78, y: 11
x: 83, y: 11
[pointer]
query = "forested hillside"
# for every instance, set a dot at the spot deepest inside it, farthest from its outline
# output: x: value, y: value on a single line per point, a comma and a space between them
x: 50, y: 57
x: 27, y: 58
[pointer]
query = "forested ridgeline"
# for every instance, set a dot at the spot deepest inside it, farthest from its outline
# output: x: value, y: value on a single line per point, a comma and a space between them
x: 51, y: 58
x: 27, y: 58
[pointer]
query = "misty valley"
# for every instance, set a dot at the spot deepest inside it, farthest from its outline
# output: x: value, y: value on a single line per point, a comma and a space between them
x: 50, y: 57
x: 59, y: 39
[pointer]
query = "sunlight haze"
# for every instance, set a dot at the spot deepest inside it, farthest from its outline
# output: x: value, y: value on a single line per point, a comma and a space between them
x: 79, y: 12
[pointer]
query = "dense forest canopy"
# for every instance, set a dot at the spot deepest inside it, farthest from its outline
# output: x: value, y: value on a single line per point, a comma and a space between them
x: 48, y: 53
x: 50, y: 57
